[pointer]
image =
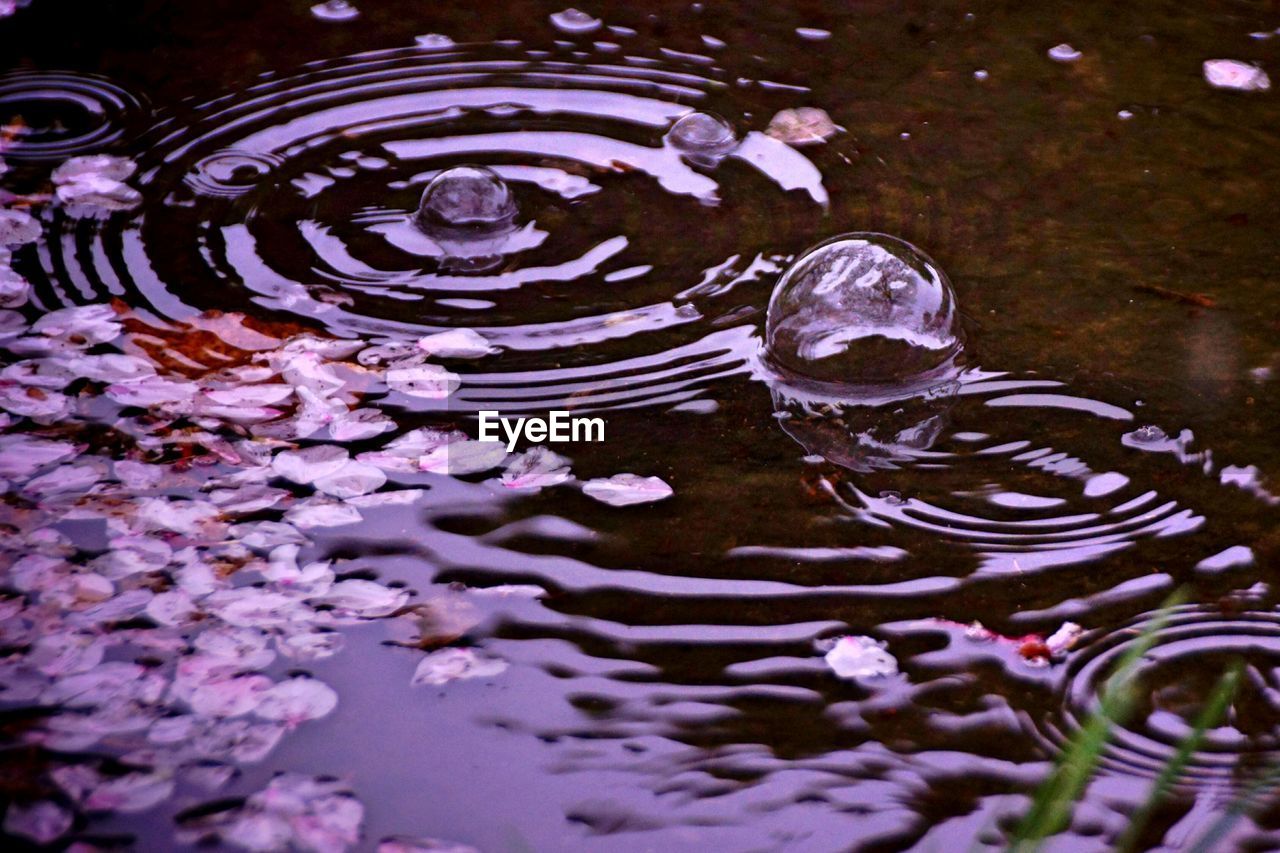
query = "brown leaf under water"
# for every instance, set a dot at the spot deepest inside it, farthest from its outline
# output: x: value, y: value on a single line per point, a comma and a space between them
x: 1199, y: 300
x: 211, y: 341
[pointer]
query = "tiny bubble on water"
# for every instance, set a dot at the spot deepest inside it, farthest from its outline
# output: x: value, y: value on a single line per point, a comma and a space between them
x: 575, y: 22
x: 335, y: 10
x: 1064, y: 53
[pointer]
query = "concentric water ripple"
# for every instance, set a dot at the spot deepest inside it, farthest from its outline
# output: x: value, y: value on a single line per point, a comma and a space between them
x: 57, y: 114
x: 261, y: 200
x: 1174, y: 679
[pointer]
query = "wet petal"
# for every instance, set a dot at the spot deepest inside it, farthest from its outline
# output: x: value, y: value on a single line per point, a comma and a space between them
x: 364, y: 598
x: 1237, y: 75
x: 456, y: 343
x: 42, y: 821
x: 92, y: 324
x: 429, y: 381
x: 318, y: 512
x: 536, y: 468
x: 17, y: 227
x: 445, y: 665
x: 133, y: 792
x: 310, y: 464
x: 352, y: 479
x: 297, y: 701
x: 627, y: 489
x: 94, y: 165
x: 860, y: 657
x: 23, y: 455
x: 251, y: 395
x: 172, y: 608
x: 463, y: 457
x: 359, y: 425
x: 230, y: 697
x: 802, y: 126
x: 154, y: 391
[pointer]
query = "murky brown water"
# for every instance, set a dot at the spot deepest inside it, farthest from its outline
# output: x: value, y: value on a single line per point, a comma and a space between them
x: 655, y: 676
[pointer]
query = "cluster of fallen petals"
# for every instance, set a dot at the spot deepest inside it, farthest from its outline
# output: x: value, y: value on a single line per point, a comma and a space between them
x: 161, y: 484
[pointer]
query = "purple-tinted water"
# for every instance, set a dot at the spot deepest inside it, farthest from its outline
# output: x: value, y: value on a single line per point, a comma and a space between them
x: 249, y: 530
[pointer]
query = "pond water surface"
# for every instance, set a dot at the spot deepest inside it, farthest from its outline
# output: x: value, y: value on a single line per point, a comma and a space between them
x: 244, y: 536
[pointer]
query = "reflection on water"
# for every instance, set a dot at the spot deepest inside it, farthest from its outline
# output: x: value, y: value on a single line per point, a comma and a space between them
x: 248, y: 530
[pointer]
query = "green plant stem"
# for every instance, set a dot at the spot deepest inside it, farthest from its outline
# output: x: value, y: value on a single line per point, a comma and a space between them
x: 1208, y: 717
x: 1053, y: 801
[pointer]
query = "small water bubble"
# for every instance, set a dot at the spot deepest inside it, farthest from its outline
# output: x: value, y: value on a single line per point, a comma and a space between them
x: 981, y: 74
x: 335, y: 10
x: 575, y: 22
x: 1064, y: 53
x: 1125, y: 115
x: 892, y: 498
x: 702, y: 135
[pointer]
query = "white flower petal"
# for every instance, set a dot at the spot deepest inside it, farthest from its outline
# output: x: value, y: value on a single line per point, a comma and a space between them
x: 42, y: 821
x: 456, y: 343
x: 1237, y: 75
x: 536, y: 468
x: 364, y: 598
x: 318, y: 512
x: 627, y: 489
x: 297, y: 700
x: 445, y: 665
x: 17, y: 227
x: 860, y: 657
x: 429, y: 381
x: 311, y: 463
x: 354, y: 478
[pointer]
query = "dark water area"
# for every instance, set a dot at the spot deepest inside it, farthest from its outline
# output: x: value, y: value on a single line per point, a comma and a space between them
x: 496, y: 650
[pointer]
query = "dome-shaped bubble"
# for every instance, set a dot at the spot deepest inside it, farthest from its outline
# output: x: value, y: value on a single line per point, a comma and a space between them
x: 863, y: 309
x: 335, y: 10
x: 702, y: 134
x: 466, y: 197
x: 470, y: 213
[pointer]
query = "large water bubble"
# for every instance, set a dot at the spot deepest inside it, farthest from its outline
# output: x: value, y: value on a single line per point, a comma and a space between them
x: 469, y: 212
x: 862, y: 341
x: 863, y: 309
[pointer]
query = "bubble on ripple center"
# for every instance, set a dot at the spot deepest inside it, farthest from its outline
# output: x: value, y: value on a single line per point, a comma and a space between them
x: 702, y: 136
x: 468, y: 211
